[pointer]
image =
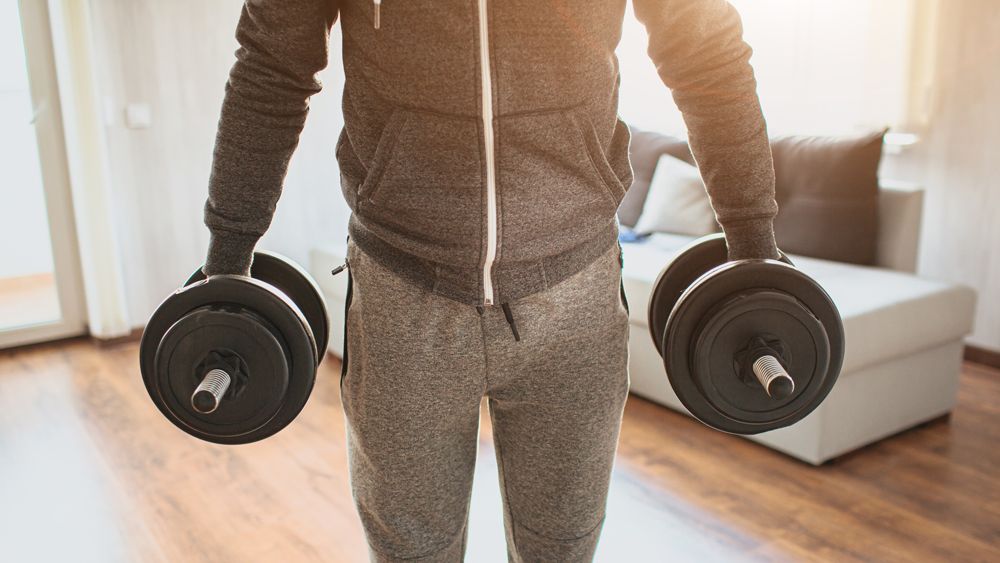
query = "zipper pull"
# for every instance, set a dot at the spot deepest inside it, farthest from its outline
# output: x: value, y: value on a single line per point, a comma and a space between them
x: 510, y: 320
x: 339, y: 268
x: 378, y: 6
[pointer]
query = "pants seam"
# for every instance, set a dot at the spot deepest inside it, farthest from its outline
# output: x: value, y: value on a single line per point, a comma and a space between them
x: 564, y: 540
x: 435, y: 551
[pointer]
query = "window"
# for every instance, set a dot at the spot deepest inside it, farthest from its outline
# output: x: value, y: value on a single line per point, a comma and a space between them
x: 822, y: 66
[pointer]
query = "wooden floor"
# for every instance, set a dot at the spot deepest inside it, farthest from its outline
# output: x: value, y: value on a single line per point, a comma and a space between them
x: 90, y: 472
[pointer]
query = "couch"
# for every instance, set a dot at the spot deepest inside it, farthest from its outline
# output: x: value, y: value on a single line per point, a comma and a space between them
x: 904, y: 333
x: 904, y: 337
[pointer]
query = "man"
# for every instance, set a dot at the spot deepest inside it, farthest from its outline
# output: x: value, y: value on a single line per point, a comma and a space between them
x: 483, y: 161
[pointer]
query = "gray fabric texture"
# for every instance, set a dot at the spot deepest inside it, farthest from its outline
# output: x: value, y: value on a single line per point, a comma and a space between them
x: 419, y: 365
x: 412, y: 150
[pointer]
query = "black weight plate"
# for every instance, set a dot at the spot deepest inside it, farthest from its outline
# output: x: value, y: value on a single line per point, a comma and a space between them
x: 257, y: 394
x: 729, y: 328
x: 690, y: 264
x: 287, y: 322
x: 292, y: 280
x: 696, y: 304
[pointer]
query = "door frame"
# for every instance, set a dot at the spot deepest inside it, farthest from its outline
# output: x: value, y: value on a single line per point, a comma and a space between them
x: 40, y: 58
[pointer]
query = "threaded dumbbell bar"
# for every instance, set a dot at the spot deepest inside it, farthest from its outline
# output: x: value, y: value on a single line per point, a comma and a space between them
x: 773, y: 377
x: 209, y: 393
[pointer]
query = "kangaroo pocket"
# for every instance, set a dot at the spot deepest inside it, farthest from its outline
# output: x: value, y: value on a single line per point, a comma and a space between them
x: 422, y: 191
x: 556, y: 185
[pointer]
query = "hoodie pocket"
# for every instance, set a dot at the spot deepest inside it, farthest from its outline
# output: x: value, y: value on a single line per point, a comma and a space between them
x: 422, y: 191
x: 597, y: 155
x: 557, y: 189
x: 383, y: 154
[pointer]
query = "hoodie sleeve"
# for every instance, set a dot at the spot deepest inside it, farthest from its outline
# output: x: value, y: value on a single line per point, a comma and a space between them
x: 283, y: 44
x: 699, y: 52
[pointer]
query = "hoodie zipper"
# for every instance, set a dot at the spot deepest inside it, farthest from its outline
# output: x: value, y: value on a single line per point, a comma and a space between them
x: 489, y: 140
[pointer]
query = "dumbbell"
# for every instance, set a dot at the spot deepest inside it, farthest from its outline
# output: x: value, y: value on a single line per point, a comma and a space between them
x: 748, y: 345
x: 232, y: 359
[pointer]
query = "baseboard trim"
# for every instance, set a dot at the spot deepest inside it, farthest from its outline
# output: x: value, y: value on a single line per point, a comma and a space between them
x: 134, y: 336
x: 60, y: 341
x: 982, y: 356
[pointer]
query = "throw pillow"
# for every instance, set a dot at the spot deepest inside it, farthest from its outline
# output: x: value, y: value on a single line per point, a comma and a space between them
x: 645, y: 150
x: 677, y: 202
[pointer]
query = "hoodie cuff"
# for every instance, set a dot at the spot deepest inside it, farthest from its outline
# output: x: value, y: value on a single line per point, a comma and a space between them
x: 751, y: 239
x: 229, y: 253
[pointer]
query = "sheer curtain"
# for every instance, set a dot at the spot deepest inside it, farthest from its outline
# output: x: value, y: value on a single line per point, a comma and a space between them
x: 822, y: 66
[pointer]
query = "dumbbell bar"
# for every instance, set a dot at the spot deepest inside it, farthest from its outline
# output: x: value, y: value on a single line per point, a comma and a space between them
x: 762, y: 362
x: 210, y: 392
x: 773, y: 378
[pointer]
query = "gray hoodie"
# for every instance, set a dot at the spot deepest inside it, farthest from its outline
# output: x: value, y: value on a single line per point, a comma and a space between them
x: 482, y: 155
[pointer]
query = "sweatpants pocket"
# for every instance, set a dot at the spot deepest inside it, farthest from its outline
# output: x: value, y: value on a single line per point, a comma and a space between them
x: 621, y: 277
x: 347, y: 323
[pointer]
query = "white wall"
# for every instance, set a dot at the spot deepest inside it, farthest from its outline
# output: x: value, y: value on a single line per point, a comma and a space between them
x: 822, y: 66
x: 175, y: 56
x: 957, y: 160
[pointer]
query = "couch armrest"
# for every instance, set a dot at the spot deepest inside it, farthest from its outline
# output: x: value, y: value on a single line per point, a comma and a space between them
x: 900, y: 214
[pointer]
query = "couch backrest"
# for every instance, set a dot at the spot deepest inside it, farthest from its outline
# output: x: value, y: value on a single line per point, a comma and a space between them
x: 900, y: 206
x: 900, y: 212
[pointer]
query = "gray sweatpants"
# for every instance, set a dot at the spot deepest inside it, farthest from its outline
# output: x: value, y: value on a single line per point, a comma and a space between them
x: 417, y: 367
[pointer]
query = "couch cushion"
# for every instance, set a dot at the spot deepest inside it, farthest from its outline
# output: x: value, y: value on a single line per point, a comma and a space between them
x: 886, y: 314
x: 826, y: 189
x: 827, y: 192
